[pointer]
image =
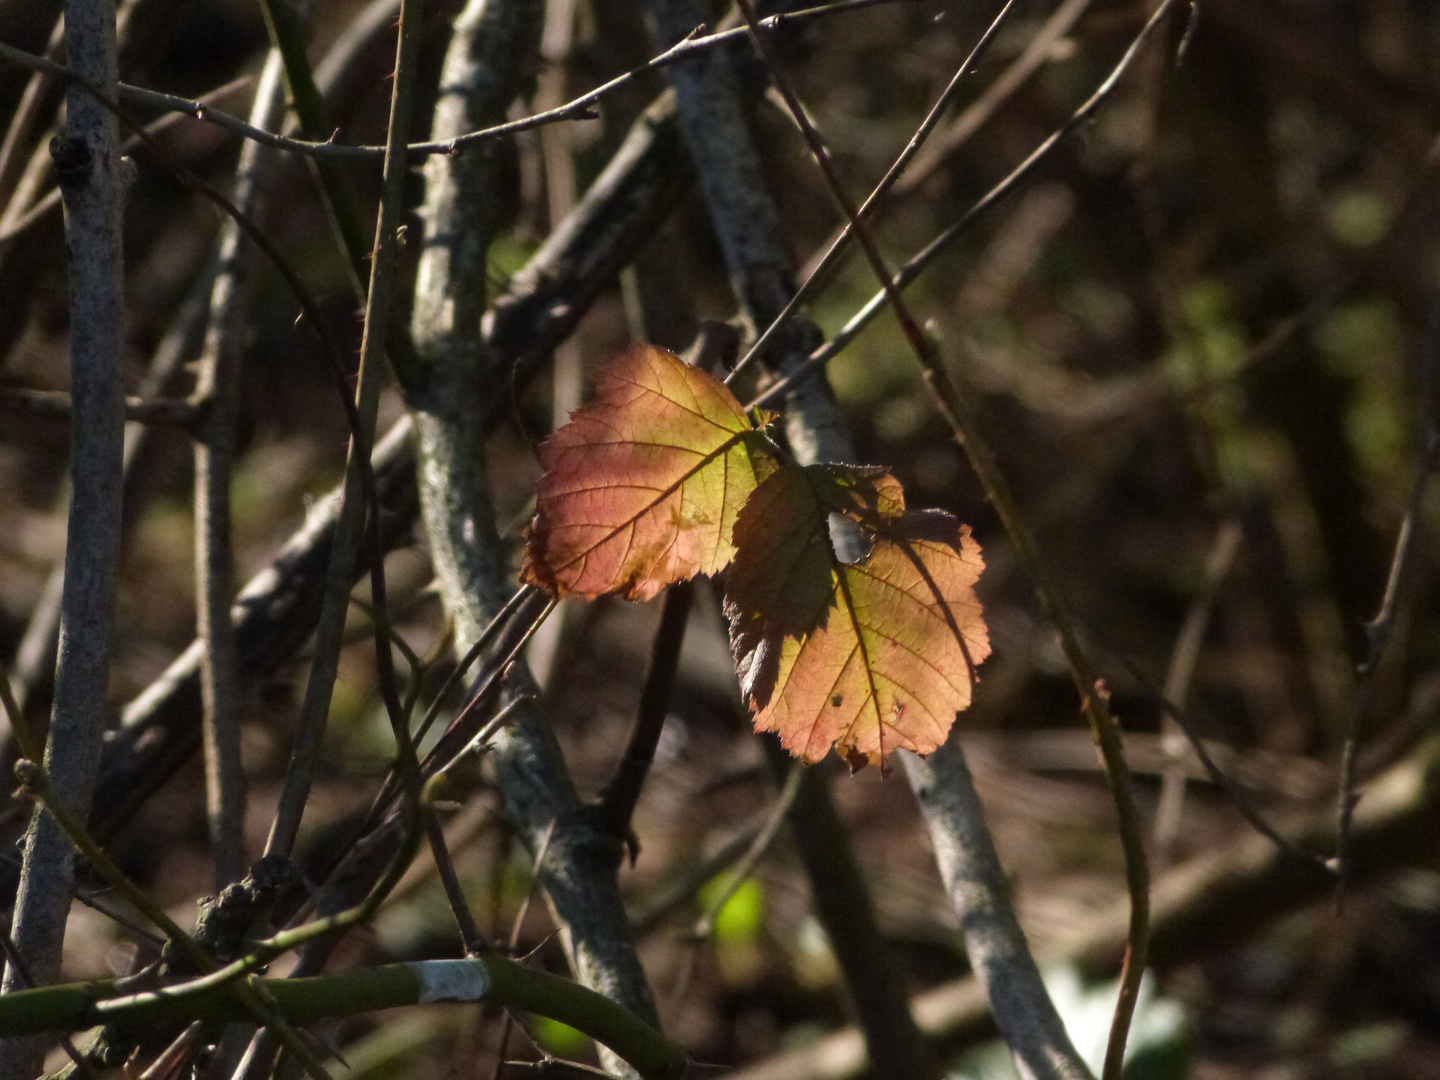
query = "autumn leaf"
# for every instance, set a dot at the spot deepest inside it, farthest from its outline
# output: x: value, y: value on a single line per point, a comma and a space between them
x: 642, y: 488
x: 869, y: 657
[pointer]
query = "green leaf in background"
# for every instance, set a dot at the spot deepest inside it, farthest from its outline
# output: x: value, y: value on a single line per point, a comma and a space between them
x: 742, y: 920
x: 559, y: 1039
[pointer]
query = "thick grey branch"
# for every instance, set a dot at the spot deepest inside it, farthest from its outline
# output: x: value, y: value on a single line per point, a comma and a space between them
x: 92, y: 179
x: 980, y: 895
x: 465, y: 208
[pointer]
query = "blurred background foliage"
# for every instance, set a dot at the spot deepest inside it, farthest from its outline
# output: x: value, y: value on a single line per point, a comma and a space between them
x: 1208, y: 311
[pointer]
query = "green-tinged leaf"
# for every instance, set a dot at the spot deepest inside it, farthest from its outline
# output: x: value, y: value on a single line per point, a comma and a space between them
x: 869, y: 657
x: 642, y: 488
x: 784, y: 578
x: 866, y: 493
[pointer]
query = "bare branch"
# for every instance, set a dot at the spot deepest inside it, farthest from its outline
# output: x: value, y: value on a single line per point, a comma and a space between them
x: 493, y: 42
x: 980, y: 894
x: 57, y: 405
x: 217, y: 387
x: 93, y: 181
x: 360, y: 486
x: 1378, y: 631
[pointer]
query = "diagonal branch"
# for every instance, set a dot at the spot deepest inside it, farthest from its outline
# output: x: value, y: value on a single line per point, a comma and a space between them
x: 975, y: 882
x: 447, y: 391
x: 287, y: 32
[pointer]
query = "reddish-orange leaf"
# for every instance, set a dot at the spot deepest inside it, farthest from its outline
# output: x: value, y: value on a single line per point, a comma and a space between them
x: 642, y: 487
x: 868, y: 657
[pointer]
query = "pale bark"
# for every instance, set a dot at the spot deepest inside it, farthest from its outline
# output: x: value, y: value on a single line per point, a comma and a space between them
x: 92, y: 178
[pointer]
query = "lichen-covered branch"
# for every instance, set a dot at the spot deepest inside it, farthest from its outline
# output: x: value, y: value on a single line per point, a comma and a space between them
x: 980, y: 894
x: 465, y: 208
x: 92, y: 178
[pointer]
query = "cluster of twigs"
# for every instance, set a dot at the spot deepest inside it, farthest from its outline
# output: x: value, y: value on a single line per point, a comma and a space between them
x: 464, y: 355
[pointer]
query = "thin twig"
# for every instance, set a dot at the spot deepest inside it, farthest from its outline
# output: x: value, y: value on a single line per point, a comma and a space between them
x: 1039, y: 51
x: 919, y: 262
x: 472, y: 727
x: 289, y: 32
x: 217, y: 388
x: 1175, y: 712
x: 35, y: 655
x: 1183, y: 658
x: 1380, y: 630
x: 14, y: 224
x: 679, y: 890
x: 580, y: 108
x: 23, y: 119
x: 745, y: 868
x: 700, y: 931
x: 818, y: 275
x: 360, y: 486
x: 58, y: 405
x: 472, y: 654
x: 512, y: 943
x: 170, y: 1060
x: 620, y: 795
x: 458, y: 738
